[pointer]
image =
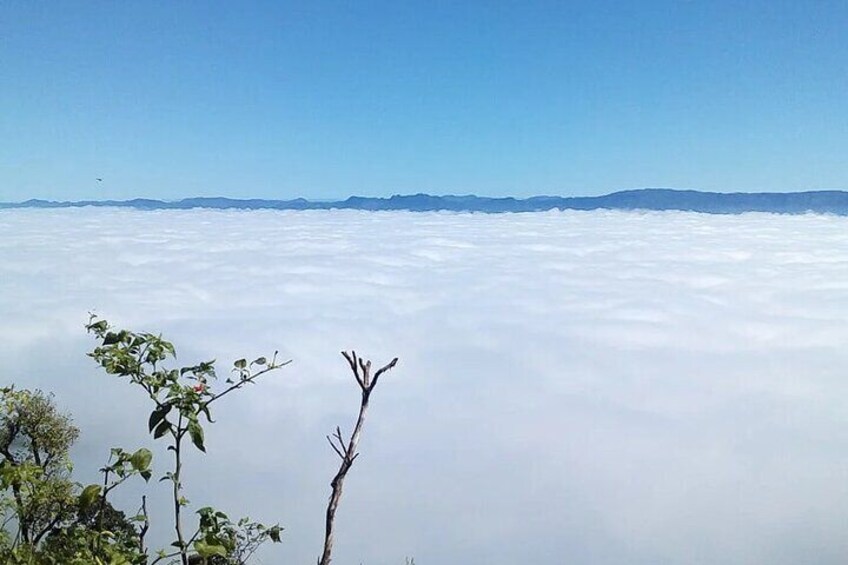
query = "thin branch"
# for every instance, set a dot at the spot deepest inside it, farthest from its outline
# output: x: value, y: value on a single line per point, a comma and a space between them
x: 145, y: 525
x: 361, y: 370
x: 366, y: 370
x: 103, y: 494
x: 245, y: 381
x: 49, y: 526
x: 351, y: 360
x: 193, y: 537
x: 382, y: 370
x: 336, y: 449
x: 177, y: 487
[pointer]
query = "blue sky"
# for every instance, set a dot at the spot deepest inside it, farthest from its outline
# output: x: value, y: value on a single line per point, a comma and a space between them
x: 328, y: 99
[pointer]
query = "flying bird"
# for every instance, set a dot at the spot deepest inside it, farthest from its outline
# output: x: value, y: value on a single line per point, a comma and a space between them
x: 99, y: 180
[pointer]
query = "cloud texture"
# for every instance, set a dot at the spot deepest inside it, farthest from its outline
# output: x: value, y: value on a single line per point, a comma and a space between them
x: 600, y: 387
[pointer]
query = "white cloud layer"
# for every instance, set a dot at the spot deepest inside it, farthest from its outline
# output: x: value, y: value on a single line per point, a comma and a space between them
x: 601, y: 387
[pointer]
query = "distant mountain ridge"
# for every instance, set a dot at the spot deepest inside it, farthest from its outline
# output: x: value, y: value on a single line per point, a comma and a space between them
x: 822, y: 201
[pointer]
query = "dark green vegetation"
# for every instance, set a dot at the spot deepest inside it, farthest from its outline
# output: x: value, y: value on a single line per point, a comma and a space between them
x: 49, y: 519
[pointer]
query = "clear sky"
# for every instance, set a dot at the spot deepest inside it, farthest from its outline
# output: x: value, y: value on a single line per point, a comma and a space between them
x: 327, y: 99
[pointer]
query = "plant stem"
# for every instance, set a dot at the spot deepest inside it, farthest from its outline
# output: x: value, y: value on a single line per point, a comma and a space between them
x: 178, y: 465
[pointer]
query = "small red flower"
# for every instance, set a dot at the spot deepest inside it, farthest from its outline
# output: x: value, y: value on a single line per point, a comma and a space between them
x: 199, y: 387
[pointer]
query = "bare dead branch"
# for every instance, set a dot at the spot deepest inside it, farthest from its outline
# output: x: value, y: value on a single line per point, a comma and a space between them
x: 366, y: 370
x: 361, y: 370
x: 383, y: 369
x: 351, y: 360
x: 336, y: 449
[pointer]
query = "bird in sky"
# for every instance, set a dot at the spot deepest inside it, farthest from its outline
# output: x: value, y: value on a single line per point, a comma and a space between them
x: 99, y: 180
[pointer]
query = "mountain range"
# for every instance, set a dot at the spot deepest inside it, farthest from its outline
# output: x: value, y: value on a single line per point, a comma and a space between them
x: 823, y: 201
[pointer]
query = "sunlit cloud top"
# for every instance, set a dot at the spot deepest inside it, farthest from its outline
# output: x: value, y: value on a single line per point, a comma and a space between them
x: 588, y: 387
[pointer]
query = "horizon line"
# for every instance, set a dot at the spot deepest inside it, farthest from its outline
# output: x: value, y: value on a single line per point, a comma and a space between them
x: 421, y: 194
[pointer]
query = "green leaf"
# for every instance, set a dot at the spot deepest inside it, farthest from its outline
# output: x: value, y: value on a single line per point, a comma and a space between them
x: 99, y: 326
x: 206, y: 550
x: 140, y: 460
x: 111, y: 338
x: 89, y: 496
x: 158, y: 415
x: 205, y: 409
x: 161, y: 429
x: 240, y: 364
x: 119, y: 559
x: 260, y: 361
x: 196, y: 433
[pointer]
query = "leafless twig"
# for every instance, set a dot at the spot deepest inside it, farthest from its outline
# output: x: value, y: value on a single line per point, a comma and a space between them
x: 347, y: 450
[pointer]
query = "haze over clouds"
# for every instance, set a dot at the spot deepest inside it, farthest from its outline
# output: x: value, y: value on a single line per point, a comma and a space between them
x: 600, y: 387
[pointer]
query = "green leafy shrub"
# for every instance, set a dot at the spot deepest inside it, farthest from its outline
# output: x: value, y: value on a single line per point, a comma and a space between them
x: 48, y: 519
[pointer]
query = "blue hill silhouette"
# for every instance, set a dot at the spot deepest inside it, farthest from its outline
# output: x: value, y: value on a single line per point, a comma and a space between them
x: 823, y: 201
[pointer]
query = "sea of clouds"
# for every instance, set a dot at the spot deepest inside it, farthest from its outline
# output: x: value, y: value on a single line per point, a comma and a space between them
x: 573, y: 387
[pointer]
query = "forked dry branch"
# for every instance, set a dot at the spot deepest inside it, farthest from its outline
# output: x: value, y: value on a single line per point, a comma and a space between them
x: 347, y: 450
